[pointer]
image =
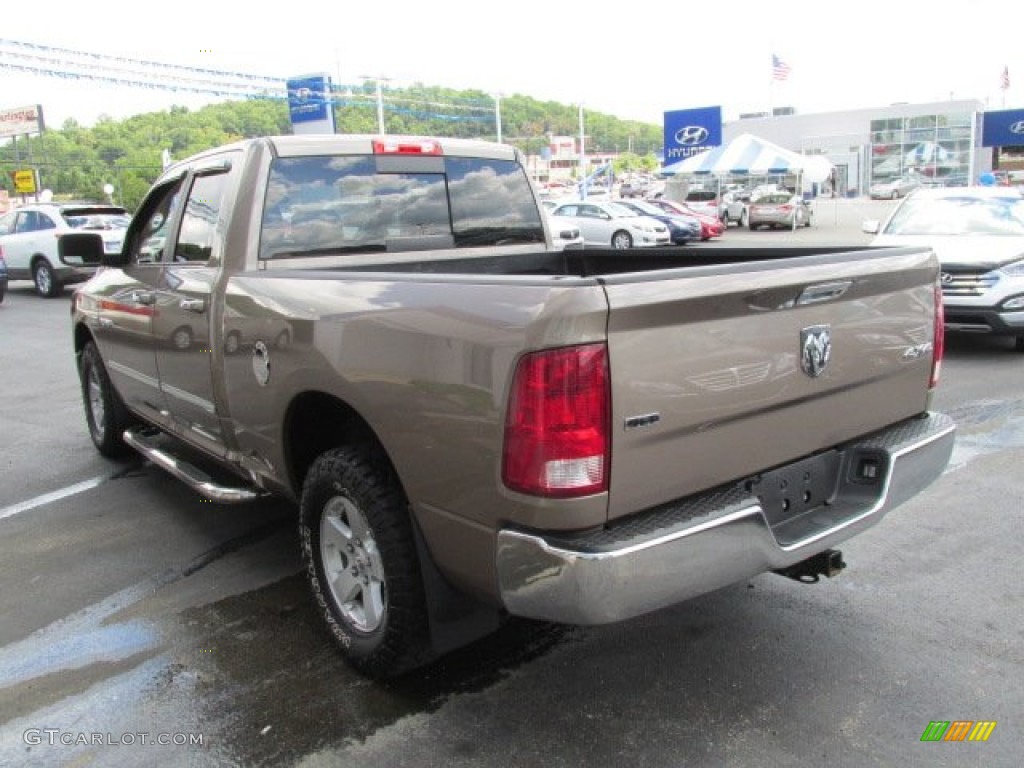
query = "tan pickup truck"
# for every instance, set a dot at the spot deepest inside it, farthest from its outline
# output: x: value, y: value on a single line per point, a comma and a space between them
x: 475, y: 424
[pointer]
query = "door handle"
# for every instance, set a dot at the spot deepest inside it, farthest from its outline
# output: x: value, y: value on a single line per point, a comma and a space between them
x: 193, y: 305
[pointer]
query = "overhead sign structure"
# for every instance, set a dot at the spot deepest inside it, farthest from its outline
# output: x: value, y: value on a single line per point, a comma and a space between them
x: 21, y: 121
x: 1004, y: 128
x: 310, y: 104
x: 689, y: 132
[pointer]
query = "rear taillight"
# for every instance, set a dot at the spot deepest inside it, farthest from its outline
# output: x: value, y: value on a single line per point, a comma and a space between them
x: 939, y: 340
x: 557, y: 427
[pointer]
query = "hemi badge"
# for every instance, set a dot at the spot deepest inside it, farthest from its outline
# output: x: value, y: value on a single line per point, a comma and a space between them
x: 643, y: 421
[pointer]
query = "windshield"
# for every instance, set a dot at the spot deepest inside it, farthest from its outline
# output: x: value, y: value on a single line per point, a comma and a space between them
x: 773, y: 199
x: 617, y: 210
x: 959, y: 215
x: 646, y: 208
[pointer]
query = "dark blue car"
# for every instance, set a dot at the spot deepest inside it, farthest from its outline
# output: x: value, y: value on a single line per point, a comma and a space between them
x: 681, y: 229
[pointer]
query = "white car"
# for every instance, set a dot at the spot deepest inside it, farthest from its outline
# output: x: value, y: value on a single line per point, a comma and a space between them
x: 565, y: 235
x: 978, y: 235
x: 32, y: 239
x: 607, y: 225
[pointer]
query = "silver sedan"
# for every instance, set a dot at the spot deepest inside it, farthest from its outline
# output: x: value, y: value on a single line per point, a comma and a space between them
x: 611, y: 225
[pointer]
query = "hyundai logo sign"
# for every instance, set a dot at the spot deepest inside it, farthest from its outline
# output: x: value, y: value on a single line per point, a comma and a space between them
x: 692, y: 135
x: 1017, y: 127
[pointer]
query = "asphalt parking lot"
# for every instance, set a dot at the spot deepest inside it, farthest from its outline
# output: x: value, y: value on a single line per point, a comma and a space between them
x: 134, y: 612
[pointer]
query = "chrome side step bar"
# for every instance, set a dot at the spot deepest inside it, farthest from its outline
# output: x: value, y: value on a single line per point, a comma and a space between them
x: 142, y: 440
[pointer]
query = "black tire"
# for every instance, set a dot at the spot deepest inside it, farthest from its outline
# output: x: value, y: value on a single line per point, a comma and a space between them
x: 369, y: 556
x: 105, y: 412
x: 743, y: 217
x: 45, y: 279
x: 1018, y: 343
x: 622, y: 240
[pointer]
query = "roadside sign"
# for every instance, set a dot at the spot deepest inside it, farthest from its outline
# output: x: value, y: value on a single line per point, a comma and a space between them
x: 24, y: 182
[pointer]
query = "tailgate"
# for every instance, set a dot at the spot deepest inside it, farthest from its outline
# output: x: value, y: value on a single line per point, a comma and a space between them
x: 713, y: 368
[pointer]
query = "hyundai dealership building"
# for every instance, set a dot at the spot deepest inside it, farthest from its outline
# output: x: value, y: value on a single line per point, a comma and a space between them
x: 941, y: 143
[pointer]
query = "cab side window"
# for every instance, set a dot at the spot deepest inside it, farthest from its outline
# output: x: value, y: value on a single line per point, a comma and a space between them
x: 198, y: 235
x: 146, y: 245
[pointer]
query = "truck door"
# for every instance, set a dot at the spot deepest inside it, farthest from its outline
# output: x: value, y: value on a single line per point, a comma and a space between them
x: 185, y: 319
x: 127, y: 303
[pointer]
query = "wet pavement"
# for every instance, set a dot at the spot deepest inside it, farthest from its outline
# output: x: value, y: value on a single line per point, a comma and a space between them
x: 134, y: 612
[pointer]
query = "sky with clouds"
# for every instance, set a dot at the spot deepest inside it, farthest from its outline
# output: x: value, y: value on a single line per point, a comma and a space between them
x: 630, y: 61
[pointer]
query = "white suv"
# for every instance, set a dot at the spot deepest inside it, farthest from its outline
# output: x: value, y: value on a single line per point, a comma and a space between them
x: 33, y: 241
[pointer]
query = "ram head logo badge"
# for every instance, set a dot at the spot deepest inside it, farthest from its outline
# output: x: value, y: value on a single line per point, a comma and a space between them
x: 815, y: 349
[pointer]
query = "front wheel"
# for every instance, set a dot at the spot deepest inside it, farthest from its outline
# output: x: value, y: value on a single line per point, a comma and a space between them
x: 105, y: 412
x: 622, y: 240
x: 45, y: 279
x: 361, y: 561
x: 743, y: 218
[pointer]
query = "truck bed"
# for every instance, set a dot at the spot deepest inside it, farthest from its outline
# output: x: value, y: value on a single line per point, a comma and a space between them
x: 590, y: 263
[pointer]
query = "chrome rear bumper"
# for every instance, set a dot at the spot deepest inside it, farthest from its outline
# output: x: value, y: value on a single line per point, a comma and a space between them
x: 699, y: 544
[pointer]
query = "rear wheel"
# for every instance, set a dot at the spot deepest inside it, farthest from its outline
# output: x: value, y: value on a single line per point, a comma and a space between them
x: 622, y: 240
x: 105, y: 412
x: 361, y: 561
x: 45, y: 279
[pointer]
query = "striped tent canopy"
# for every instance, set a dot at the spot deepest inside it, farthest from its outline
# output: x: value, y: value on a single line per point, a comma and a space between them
x: 749, y: 155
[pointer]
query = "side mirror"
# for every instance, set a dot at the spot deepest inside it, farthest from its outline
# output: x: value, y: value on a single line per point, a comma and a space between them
x: 80, y: 249
x: 870, y: 226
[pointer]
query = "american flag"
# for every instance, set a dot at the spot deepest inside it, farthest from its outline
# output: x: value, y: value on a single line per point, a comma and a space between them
x: 780, y: 69
x: 1005, y: 82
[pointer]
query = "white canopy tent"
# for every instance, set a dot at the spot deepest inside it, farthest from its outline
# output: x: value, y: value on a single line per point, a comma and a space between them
x: 749, y: 155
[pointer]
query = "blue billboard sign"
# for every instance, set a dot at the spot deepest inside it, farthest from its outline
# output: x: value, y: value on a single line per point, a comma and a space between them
x: 309, y: 104
x: 689, y: 132
x: 1004, y: 128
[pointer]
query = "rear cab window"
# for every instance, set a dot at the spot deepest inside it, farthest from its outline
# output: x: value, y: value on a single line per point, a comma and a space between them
x: 351, y: 204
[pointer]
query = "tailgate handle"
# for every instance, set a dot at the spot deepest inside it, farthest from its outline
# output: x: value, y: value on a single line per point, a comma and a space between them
x: 815, y: 294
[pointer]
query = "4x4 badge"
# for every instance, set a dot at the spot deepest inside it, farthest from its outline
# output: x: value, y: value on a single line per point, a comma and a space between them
x: 815, y: 349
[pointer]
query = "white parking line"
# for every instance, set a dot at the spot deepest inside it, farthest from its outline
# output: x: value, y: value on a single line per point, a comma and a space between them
x: 47, y: 498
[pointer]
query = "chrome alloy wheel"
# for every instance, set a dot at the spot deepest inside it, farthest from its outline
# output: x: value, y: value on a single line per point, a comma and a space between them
x: 352, y: 564
x: 96, y: 407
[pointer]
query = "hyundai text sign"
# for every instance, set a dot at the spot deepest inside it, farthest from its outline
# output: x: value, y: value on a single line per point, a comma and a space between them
x: 689, y: 132
x: 310, y: 104
x: 1003, y: 129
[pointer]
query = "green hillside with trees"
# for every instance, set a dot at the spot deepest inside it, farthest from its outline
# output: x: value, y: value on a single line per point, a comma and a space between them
x: 76, y: 162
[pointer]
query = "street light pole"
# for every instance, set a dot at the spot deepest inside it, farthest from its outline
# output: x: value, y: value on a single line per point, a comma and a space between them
x: 380, y: 108
x: 497, y: 114
x: 583, y: 158
x: 380, y: 101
